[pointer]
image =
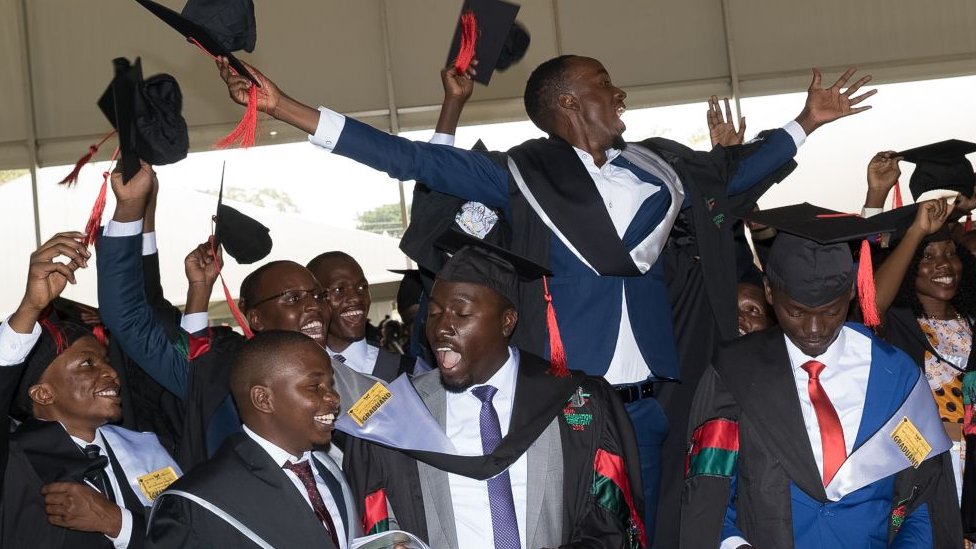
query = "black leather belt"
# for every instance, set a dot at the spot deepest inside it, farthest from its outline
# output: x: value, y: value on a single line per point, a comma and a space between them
x: 634, y: 392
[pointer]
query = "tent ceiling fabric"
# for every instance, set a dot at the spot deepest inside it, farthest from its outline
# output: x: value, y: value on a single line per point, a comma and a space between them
x: 335, y: 52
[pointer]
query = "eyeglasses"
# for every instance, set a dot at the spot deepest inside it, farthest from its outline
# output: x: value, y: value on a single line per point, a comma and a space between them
x: 293, y: 297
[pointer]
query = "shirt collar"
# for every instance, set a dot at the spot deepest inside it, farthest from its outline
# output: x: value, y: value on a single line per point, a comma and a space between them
x: 99, y: 441
x: 504, y: 378
x: 587, y: 158
x: 354, y: 353
x: 277, y: 454
x: 829, y: 357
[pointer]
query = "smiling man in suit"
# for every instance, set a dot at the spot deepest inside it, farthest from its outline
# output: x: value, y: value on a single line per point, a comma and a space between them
x: 266, y: 486
x: 816, y: 433
x: 541, y: 460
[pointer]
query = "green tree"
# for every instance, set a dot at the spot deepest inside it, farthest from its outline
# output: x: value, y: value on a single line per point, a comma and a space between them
x: 9, y: 175
x: 383, y: 219
x: 274, y: 199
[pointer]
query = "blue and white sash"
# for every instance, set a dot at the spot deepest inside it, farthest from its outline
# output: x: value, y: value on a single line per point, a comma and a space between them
x: 139, y: 454
x: 881, y: 456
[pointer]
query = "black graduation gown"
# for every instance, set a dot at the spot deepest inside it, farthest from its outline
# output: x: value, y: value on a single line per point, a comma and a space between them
x: 42, y: 452
x: 539, y: 400
x: 901, y: 329
x: 751, y: 385
x: 243, y: 481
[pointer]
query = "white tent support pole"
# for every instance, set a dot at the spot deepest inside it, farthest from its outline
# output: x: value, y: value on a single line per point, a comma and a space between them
x: 391, y: 99
x: 730, y: 51
x: 31, y: 125
x: 556, y: 30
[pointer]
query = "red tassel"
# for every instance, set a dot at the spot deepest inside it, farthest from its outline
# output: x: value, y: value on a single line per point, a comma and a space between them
x: 557, y: 355
x: 896, y: 197
x: 469, y: 37
x: 72, y: 177
x: 865, y: 287
x: 968, y: 226
x: 246, y: 130
x: 60, y: 342
x: 99, y: 331
x: 95, y: 218
x: 234, y: 309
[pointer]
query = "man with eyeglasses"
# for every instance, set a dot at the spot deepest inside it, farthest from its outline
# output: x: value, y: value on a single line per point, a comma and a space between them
x: 347, y: 293
x: 281, y: 295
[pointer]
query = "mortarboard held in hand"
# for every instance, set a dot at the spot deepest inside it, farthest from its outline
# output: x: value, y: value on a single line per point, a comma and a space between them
x: 233, y: 22
x: 487, y: 31
x: 811, y: 259
x: 941, y: 166
x: 246, y: 240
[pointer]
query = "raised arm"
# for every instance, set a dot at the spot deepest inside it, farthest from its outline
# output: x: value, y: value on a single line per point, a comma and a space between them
x: 457, y: 90
x: 121, y: 293
x: 461, y: 173
x: 930, y: 217
x: 883, y: 173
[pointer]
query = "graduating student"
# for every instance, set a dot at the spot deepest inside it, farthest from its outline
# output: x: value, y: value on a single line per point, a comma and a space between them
x: 542, y: 461
x: 266, y: 487
x: 347, y: 292
x: 598, y: 212
x: 71, y: 479
x: 816, y: 433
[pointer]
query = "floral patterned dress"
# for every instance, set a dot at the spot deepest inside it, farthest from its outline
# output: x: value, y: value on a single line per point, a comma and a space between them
x: 952, y: 340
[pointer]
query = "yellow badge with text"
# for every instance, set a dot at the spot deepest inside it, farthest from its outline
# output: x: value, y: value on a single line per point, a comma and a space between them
x: 152, y: 484
x: 911, y: 442
x: 368, y: 404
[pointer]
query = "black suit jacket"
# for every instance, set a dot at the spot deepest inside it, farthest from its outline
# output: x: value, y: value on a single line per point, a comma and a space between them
x: 41, y: 452
x: 243, y: 481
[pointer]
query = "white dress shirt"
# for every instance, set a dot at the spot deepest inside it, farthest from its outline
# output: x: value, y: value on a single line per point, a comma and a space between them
x: 359, y: 356
x: 622, y: 193
x: 469, y: 497
x: 281, y: 457
x: 845, y: 380
x: 125, y: 533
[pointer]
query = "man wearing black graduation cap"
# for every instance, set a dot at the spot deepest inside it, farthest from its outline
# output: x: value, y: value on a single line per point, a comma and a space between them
x: 71, y: 479
x: 816, y: 433
x: 541, y: 461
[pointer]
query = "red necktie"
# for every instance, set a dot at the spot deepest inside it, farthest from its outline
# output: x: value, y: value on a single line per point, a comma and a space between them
x: 831, y: 432
x: 304, y: 473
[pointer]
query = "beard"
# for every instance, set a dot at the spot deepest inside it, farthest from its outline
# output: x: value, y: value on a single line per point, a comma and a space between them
x: 456, y: 386
x: 619, y: 143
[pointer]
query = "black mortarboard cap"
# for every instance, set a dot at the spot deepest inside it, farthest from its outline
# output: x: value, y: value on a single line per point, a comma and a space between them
x: 810, y: 259
x: 493, y: 49
x: 410, y: 290
x: 243, y: 237
x: 479, y: 146
x: 941, y: 166
x: 146, y: 114
x: 828, y: 226
x: 198, y: 33
x: 230, y: 22
x: 480, y: 262
x: 56, y: 337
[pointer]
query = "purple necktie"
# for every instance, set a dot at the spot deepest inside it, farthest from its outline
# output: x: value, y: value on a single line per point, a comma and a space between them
x: 503, y: 521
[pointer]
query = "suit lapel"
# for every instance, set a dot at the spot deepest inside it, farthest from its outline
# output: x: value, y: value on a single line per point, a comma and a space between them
x: 277, y: 500
x: 777, y: 414
x: 434, y: 483
x: 556, y: 180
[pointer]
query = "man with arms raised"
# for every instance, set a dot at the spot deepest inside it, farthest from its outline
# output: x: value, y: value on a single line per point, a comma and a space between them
x: 598, y: 213
x: 71, y: 479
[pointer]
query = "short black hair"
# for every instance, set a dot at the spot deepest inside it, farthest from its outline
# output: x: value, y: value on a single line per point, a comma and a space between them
x: 323, y: 257
x: 544, y: 85
x: 249, y: 286
x: 260, y: 357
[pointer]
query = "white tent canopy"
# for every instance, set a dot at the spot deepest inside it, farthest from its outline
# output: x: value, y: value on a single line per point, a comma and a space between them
x: 379, y: 58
